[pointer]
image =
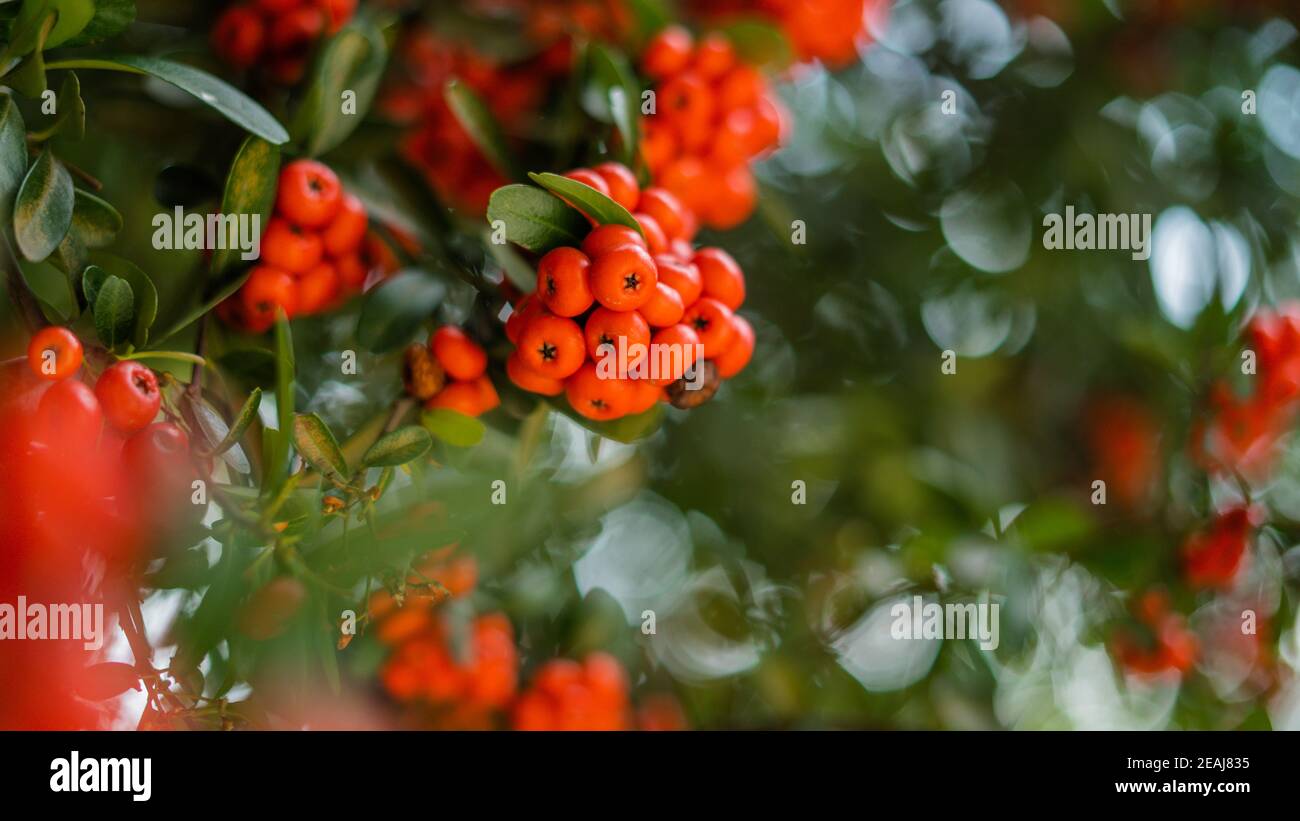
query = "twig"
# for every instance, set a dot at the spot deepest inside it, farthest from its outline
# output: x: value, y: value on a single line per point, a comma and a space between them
x: 400, y: 408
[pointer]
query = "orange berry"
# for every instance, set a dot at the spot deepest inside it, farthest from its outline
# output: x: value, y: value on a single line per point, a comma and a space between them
x: 461, y: 357
x: 720, y: 276
x: 742, y: 87
x: 562, y: 281
x: 266, y: 289
x: 623, y: 187
x: 65, y: 348
x: 528, y: 379
x: 345, y: 232
x: 658, y: 143
x: 712, y: 322
x: 597, y: 398
x: 552, y: 346
x: 621, y: 329
x: 674, y: 217
x: 317, y: 289
x: 296, y: 28
x: 688, y: 179
x: 736, y: 138
x: 289, y: 248
x: 675, y: 350
x: 665, y: 307
x: 522, y: 311
x: 770, y: 127
x: 655, y: 240
x: 737, y: 355
x: 238, y: 36
x: 714, y: 56
x: 608, y: 237
x: 683, y: 277
x: 472, y: 398
x: 667, y: 53
x: 352, y: 272
x: 624, y: 278
x: 686, y: 102
x: 309, y: 194
x: 734, y: 198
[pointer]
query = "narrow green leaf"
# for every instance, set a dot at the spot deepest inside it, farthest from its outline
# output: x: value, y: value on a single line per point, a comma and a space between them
x: 250, y: 189
x: 611, y: 94
x: 70, y: 116
x: 352, y: 62
x: 92, y: 279
x: 394, y: 311
x: 586, y: 199
x: 203, y: 308
x: 222, y: 97
x: 454, y: 428
x: 245, y: 418
x: 316, y: 444
x: 114, y: 310
x: 534, y: 219
x: 112, y: 17
x: 399, y: 447
x: 477, y: 120
x: 626, y: 429
x: 285, y: 372
x: 43, y: 212
x: 212, y: 425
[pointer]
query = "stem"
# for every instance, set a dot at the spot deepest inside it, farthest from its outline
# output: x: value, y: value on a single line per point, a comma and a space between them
x: 76, y: 171
x: 180, y: 356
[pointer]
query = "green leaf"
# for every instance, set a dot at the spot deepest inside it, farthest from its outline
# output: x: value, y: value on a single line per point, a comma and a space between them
x: 285, y: 372
x: 398, y: 447
x: 760, y: 43
x: 43, y: 212
x: 477, y: 120
x: 627, y: 429
x: 29, y: 78
x: 353, y: 60
x: 316, y: 444
x: 224, y: 98
x: 250, y: 189
x: 13, y: 154
x: 112, y: 17
x: 611, y: 94
x: 217, y: 433
x: 255, y: 366
x: 94, y: 221
x: 245, y: 418
x: 146, y: 295
x: 534, y: 219
x: 92, y: 279
x: 395, y: 310
x: 114, y: 311
x: 453, y: 428
x: 70, y: 119
x: 73, y: 17
x: 586, y: 199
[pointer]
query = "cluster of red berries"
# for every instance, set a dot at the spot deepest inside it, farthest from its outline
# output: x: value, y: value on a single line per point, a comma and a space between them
x: 615, y: 322
x: 278, y: 34
x: 713, y: 115
x: 436, y: 143
x: 450, y: 372
x: 567, y: 695
x: 830, y: 31
x: 1168, y: 644
x: 93, y: 458
x: 312, y: 251
x: 1212, y: 558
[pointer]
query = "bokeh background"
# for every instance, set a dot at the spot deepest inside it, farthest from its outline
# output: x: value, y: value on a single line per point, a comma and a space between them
x: 923, y: 235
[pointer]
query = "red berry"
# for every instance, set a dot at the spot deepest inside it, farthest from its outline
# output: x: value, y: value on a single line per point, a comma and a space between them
x: 69, y: 414
x: 309, y: 195
x: 128, y: 393
x: 54, y: 353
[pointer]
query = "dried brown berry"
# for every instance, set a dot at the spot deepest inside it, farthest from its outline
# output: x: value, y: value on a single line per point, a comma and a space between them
x: 694, y: 389
x: 421, y: 373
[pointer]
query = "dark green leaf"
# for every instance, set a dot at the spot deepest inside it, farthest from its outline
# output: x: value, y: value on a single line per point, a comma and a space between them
x: 535, y: 219
x: 224, y: 98
x: 277, y: 463
x: 255, y: 366
x: 473, y: 115
x: 70, y: 110
x: 395, y: 310
x: 92, y: 279
x: 245, y: 418
x: 250, y: 189
x: 203, y: 308
x: 114, y: 310
x: 13, y: 154
x: 628, y: 429
x: 611, y: 94
x: 43, y: 212
x: 586, y: 199
x: 453, y: 428
x: 146, y: 295
x: 399, y: 447
x: 318, y: 447
x: 73, y: 16
x: 217, y: 433
x: 352, y: 61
